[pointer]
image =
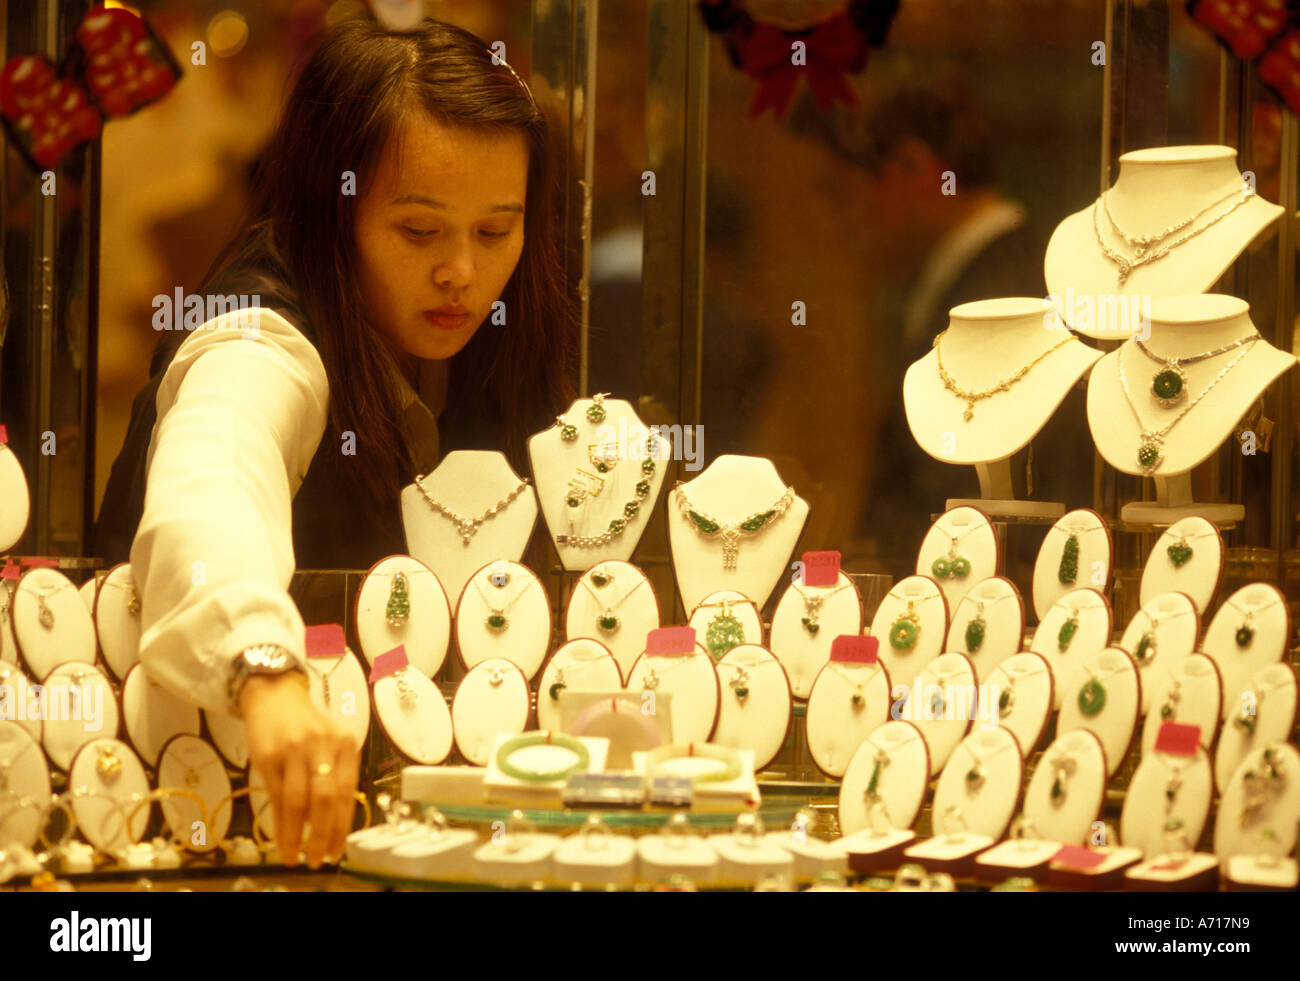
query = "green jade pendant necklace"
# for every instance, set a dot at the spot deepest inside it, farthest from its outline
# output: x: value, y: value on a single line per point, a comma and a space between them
x: 708, y: 526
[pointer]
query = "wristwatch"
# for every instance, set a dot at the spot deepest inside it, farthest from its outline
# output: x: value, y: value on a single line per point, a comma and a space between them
x: 262, y: 659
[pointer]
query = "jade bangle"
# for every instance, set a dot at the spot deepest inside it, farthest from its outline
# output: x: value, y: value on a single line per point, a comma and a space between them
x: 730, y: 759
x: 511, y: 746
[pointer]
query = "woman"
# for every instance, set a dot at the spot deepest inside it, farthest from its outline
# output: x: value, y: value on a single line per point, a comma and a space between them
x: 404, y: 199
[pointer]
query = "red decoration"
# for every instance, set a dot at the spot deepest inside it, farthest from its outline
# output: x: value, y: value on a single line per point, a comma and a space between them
x: 127, y: 67
x: 1245, y: 26
x: 115, y: 66
x: 47, y: 116
x: 1280, y: 68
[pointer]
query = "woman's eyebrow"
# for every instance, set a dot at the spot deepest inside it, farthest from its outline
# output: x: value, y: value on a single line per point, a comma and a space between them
x: 443, y: 206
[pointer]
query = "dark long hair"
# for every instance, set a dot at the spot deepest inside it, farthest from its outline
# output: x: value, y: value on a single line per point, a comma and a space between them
x: 347, y: 104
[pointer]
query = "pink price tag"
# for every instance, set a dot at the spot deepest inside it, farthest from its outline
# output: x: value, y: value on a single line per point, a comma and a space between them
x: 390, y: 662
x: 34, y: 563
x: 1178, y: 739
x: 10, y: 571
x: 4, y: 434
x: 669, y: 641
x: 326, y: 640
x: 821, y: 568
x: 855, y: 649
x: 1074, y: 857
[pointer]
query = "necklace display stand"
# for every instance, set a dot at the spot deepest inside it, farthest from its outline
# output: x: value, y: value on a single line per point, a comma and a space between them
x: 400, y: 601
x: 911, y: 624
x: 614, y: 603
x: 1214, y: 394
x: 1262, y: 712
x: 984, y: 345
x: 469, y: 483
x: 730, y: 492
x: 959, y: 550
x: 1248, y: 633
x: 1077, y: 551
x: 607, y: 467
x: 1161, y: 635
x: 1157, y: 187
x: 1187, y: 558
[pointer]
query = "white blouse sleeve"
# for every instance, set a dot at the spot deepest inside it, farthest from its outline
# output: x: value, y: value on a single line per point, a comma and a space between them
x: 241, y: 411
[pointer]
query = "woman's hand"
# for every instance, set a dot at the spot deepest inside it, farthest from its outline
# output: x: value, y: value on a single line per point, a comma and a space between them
x: 308, y: 762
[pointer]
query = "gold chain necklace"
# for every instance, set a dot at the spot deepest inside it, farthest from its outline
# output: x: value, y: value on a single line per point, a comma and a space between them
x: 972, y: 397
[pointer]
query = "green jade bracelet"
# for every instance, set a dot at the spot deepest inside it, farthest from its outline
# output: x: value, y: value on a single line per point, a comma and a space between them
x: 511, y: 746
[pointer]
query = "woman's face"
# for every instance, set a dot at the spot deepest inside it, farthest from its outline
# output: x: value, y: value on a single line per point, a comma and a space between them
x: 439, y: 232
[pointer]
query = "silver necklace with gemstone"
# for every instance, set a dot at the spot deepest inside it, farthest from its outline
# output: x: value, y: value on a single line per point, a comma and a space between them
x: 133, y: 597
x: 496, y: 620
x: 739, y: 682
x: 1069, y: 628
x: 938, y: 704
x: 1172, y: 697
x: 977, y: 626
x: 858, y: 699
x: 812, y: 605
x: 1246, y: 632
x: 954, y: 565
x: 1172, y: 786
x: 1063, y: 767
x: 468, y: 525
x: 1180, y: 552
x: 1007, y: 696
x: 731, y: 534
x: 976, y: 775
x: 879, y: 762
x: 324, y: 676
x: 1141, y: 256
x: 724, y: 630
x: 652, y: 681
x: 1261, y: 784
x: 1248, y: 710
x: 1169, y: 383
x: 584, y: 664
x: 1146, y: 645
x: 608, y: 621
x: 46, y: 615
x: 1151, y: 441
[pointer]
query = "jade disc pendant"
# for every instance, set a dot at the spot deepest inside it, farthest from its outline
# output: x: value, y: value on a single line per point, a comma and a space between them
x: 903, y: 634
x: 1167, y: 387
x: 959, y: 568
x: 940, y: 568
x: 1092, y: 698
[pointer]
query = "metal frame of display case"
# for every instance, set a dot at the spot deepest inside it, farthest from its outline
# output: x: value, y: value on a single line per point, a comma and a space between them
x: 49, y: 354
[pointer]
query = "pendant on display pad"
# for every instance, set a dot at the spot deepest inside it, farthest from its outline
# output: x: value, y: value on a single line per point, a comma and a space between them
x: 1006, y: 701
x: 904, y: 632
x: 1149, y: 452
x: 1146, y: 647
x: 1245, y: 634
x: 1067, y: 632
x: 609, y: 622
x: 975, y: 634
x: 1180, y: 553
x: 1068, y: 571
x: 1092, y: 697
x: 1169, y: 385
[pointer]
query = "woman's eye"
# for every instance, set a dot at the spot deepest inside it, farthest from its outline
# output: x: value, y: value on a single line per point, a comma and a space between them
x: 488, y: 234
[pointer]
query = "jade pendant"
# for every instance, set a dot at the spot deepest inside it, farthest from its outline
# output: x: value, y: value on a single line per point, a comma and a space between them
x: 596, y: 413
x: 555, y: 690
x: 1167, y: 387
x: 723, y: 633
x: 1167, y: 710
x: 1244, y: 636
x: 974, y: 778
x: 975, y: 635
x: 399, y: 601
x: 600, y: 579
x: 568, y: 432
x: 741, y: 693
x: 1148, y: 456
x: 1006, y: 699
x: 1180, y: 553
x: 940, y: 568
x: 497, y: 621
x: 858, y: 700
x: 959, y: 568
x: 1146, y: 648
x: 609, y: 622
x: 1068, y: 571
x: 903, y: 634
x: 812, y: 626
x: 1066, y: 633
x: 1092, y: 698
x: 1058, y: 792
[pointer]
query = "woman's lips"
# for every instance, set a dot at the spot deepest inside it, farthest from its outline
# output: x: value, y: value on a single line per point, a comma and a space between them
x: 446, y: 321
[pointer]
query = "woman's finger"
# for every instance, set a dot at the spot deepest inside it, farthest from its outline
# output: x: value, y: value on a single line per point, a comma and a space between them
x: 293, y: 807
